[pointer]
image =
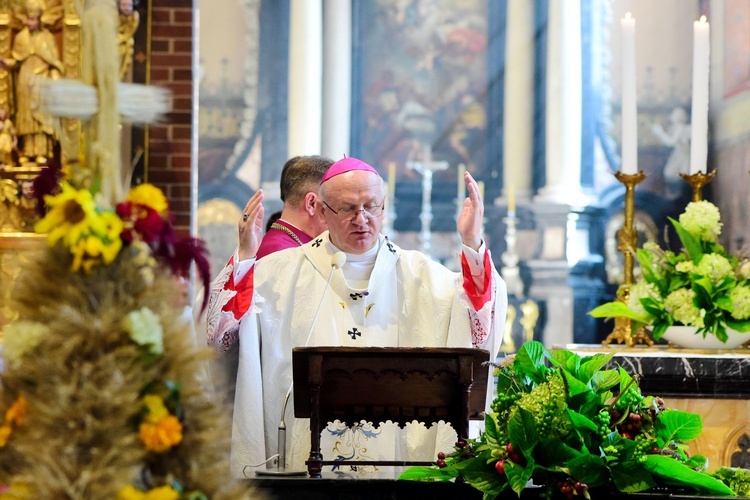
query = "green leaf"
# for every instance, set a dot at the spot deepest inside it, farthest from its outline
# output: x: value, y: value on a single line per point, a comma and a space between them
x: 674, y: 472
x: 575, y: 386
x: 529, y: 360
x: 631, y: 478
x: 568, y: 360
x: 490, y: 426
x: 591, y: 365
x: 484, y: 477
x: 588, y: 469
x: 678, y: 425
x: 518, y: 476
x: 691, y: 244
x: 428, y: 474
x: 616, y: 309
x: 554, y: 451
x: 604, y: 380
x: 724, y: 303
x: 581, y: 422
x: 659, y: 330
x: 740, y: 326
x: 522, y: 431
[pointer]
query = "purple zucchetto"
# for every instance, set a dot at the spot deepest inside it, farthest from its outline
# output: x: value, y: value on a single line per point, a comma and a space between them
x: 346, y: 165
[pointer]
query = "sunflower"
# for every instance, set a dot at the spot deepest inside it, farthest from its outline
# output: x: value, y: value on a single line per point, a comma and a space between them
x: 69, y: 216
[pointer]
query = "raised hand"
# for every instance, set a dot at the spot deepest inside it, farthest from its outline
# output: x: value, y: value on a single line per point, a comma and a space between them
x: 470, y: 221
x: 250, y: 227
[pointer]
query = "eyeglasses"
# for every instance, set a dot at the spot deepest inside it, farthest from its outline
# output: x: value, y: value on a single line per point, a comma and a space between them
x: 350, y: 213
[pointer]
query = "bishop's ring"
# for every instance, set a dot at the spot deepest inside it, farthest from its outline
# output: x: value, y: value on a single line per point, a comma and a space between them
x: 244, y: 217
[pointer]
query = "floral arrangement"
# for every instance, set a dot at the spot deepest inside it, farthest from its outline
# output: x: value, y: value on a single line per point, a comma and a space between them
x: 701, y: 286
x: 565, y: 423
x: 102, y: 388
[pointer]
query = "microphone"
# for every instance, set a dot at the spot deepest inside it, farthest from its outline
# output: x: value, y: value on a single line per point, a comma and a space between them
x: 337, y: 262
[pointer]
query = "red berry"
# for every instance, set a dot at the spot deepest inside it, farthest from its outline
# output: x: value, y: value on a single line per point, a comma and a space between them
x: 441, y: 455
x: 500, y: 466
x: 515, y: 457
x: 460, y: 443
x: 654, y: 450
x: 626, y: 435
x: 509, y: 447
x: 441, y: 463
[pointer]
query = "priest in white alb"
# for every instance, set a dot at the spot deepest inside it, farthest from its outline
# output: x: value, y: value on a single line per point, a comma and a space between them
x: 382, y: 296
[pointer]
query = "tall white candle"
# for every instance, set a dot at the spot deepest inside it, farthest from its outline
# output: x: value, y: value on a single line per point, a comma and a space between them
x: 629, y: 151
x: 699, y: 121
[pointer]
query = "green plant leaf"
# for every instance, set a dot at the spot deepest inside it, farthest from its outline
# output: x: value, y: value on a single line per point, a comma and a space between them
x: 575, y: 386
x: 429, y: 474
x: 484, y: 477
x: 591, y: 365
x: 522, y: 431
x: 529, y: 360
x: 616, y: 309
x: 581, y: 421
x: 631, y: 478
x: 740, y: 326
x: 605, y: 379
x: 490, y: 428
x: 674, y: 472
x: 518, y: 476
x: 568, y: 360
x: 588, y: 469
x: 678, y: 425
x: 691, y: 244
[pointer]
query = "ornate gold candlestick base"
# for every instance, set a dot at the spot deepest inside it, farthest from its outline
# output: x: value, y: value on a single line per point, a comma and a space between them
x: 623, y: 331
x: 697, y: 181
x: 627, y: 242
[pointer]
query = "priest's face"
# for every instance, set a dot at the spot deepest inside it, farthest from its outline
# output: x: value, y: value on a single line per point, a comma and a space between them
x: 352, y: 205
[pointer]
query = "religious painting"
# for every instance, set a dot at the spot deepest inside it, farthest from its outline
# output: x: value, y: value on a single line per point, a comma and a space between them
x: 420, y: 84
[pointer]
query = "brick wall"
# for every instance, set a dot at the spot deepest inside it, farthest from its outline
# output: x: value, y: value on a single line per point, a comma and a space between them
x: 169, y: 153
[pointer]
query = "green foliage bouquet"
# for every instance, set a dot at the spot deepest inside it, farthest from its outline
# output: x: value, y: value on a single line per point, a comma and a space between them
x: 701, y: 286
x: 567, y: 423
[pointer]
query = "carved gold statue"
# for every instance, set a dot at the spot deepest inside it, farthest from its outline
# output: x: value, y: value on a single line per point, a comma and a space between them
x: 129, y: 20
x: 8, y: 138
x: 34, y: 54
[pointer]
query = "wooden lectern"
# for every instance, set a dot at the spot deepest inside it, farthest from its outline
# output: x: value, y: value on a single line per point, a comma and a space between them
x: 377, y: 384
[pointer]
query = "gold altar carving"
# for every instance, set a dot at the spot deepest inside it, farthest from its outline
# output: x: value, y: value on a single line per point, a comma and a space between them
x: 38, y: 38
x: 16, y: 250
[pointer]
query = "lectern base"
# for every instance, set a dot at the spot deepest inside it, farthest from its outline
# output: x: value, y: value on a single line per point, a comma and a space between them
x: 280, y: 472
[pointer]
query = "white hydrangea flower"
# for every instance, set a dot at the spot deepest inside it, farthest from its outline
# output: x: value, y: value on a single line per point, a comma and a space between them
x: 714, y: 266
x: 21, y: 337
x: 680, y: 304
x: 741, y: 300
x: 145, y: 329
x: 702, y: 219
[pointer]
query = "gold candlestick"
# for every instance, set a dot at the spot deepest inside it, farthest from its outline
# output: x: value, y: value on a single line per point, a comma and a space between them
x: 627, y: 241
x: 697, y: 181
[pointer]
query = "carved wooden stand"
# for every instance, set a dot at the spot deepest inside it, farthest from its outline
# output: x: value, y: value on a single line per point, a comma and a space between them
x: 379, y: 384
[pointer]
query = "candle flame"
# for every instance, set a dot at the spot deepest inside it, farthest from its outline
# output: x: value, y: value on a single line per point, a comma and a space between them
x: 628, y: 16
x: 703, y: 19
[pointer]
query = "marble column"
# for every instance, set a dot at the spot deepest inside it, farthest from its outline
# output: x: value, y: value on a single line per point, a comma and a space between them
x: 518, y: 136
x: 563, y: 113
x: 305, y: 77
x: 337, y: 78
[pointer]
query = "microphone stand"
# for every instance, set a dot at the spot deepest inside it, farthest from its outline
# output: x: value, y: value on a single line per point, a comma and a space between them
x: 338, y: 260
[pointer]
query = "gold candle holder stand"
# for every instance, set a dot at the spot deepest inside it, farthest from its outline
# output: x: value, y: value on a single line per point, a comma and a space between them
x: 697, y: 181
x: 627, y: 241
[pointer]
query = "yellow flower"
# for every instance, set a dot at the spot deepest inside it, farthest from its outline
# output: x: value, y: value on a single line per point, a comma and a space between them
x: 161, y: 436
x: 160, y: 493
x: 17, y: 491
x: 69, y: 215
x: 150, y: 196
x: 5, y: 432
x: 17, y: 412
x: 156, y: 408
x: 129, y: 492
x: 163, y: 493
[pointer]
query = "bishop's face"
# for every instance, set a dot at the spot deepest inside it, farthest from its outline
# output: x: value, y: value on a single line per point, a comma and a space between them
x: 352, y: 205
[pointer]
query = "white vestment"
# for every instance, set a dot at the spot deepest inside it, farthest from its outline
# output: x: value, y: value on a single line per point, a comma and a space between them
x: 410, y: 301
